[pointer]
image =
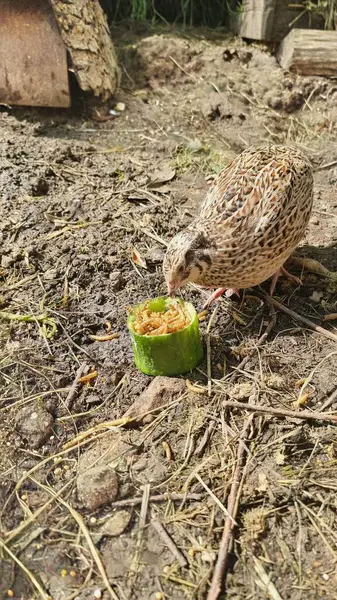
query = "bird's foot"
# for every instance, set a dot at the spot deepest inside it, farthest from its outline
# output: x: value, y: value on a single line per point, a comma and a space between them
x: 282, y: 272
x: 219, y: 292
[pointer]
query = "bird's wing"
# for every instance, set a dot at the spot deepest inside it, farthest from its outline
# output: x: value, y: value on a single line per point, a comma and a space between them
x: 250, y: 196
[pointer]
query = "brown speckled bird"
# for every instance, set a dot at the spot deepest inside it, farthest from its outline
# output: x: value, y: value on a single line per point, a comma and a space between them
x: 253, y: 216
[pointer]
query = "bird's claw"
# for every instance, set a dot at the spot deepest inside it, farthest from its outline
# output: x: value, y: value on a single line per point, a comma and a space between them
x: 282, y: 272
x: 219, y: 292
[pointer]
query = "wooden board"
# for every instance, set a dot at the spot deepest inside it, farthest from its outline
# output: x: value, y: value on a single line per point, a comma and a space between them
x: 270, y: 20
x: 33, y: 57
x: 85, y: 32
x: 257, y: 19
x: 309, y: 52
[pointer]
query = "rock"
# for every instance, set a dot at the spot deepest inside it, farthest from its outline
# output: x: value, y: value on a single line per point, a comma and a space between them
x: 116, y: 524
x: 194, y: 145
x: 316, y: 296
x: 112, y: 451
x: 35, y: 424
x: 116, y: 281
x: 154, y: 256
x: 6, y: 261
x: 97, y: 486
x: 275, y: 381
x: 160, y: 391
x: 149, y: 470
x: 50, y: 275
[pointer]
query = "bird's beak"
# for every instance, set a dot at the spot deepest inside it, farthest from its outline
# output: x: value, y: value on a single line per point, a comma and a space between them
x: 171, y: 287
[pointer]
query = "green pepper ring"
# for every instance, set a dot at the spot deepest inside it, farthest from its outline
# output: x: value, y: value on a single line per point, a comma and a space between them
x: 169, y: 354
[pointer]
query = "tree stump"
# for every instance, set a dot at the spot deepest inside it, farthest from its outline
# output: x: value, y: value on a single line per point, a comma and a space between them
x: 86, y: 34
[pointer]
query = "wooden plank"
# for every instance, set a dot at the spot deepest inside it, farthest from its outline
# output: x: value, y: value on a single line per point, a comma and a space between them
x: 85, y: 31
x: 33, y: 57
x: 309, y: 52
x: 257, y: 19
x: 270, y: 20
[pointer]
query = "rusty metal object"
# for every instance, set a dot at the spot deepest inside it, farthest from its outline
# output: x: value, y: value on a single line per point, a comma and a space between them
x: 33, y: 57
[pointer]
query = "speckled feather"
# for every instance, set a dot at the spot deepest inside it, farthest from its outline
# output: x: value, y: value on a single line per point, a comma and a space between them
x: 252, y: 218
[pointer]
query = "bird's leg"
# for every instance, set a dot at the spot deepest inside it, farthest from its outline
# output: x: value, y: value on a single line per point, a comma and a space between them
x: 282, y: 271
x: 219, y: 292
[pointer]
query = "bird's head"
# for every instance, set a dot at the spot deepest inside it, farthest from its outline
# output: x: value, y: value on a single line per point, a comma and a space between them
x: 186, y: 259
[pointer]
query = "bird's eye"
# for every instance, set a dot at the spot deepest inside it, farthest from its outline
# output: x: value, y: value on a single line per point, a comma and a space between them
x: 180, y: 270
x: 189, y: 256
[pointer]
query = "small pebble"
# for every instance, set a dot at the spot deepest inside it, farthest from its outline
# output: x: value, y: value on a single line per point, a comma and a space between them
x: 316, y: 296
x: 58, y: 471
x: 72, y: 573
x: 325, y: 576
x: 97, y: 486
x: 207, y: 557
x: 98, y: 593
x: 158, y: 596
x: 191, y: 552
x: 120, y: 106
x: 93, y: 520
x: 10, y: 593
x: 117, y: 523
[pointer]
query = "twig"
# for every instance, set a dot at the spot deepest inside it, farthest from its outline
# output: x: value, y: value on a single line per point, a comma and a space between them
x: 327, y: 165
x: 34, y: 516
x: 106, y: 425
x: 29, y: 574
x: 184, y: 71
x: 259, y: 343
x: 297, y: 317
x: 156, y: 498
x: 310, y: 376
x: 332, y: 398
x: 220, y: 569
x: 141, y: 526
x: 73, y: 390
x: 209, y: 351
x: 205, y: 438
x: 215, y: 499
x: 168, y: 541
x: 70, y: 339
x: 268, y: 585
x: 278, y: 412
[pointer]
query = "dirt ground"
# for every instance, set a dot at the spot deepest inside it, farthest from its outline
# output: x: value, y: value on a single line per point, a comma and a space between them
x: 79, y: 196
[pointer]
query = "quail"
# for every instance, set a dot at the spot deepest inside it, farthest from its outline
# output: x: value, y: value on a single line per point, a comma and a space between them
x: 253, y: 216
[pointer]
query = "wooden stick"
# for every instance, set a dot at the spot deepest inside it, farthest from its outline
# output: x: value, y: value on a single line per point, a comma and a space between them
x: 280, y: 412
x: 73, y: 390
x: 332, y: 398
x: 297, y: 317
x: 168, y: 541
x: 156, y: 498
x: 221, y: 566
